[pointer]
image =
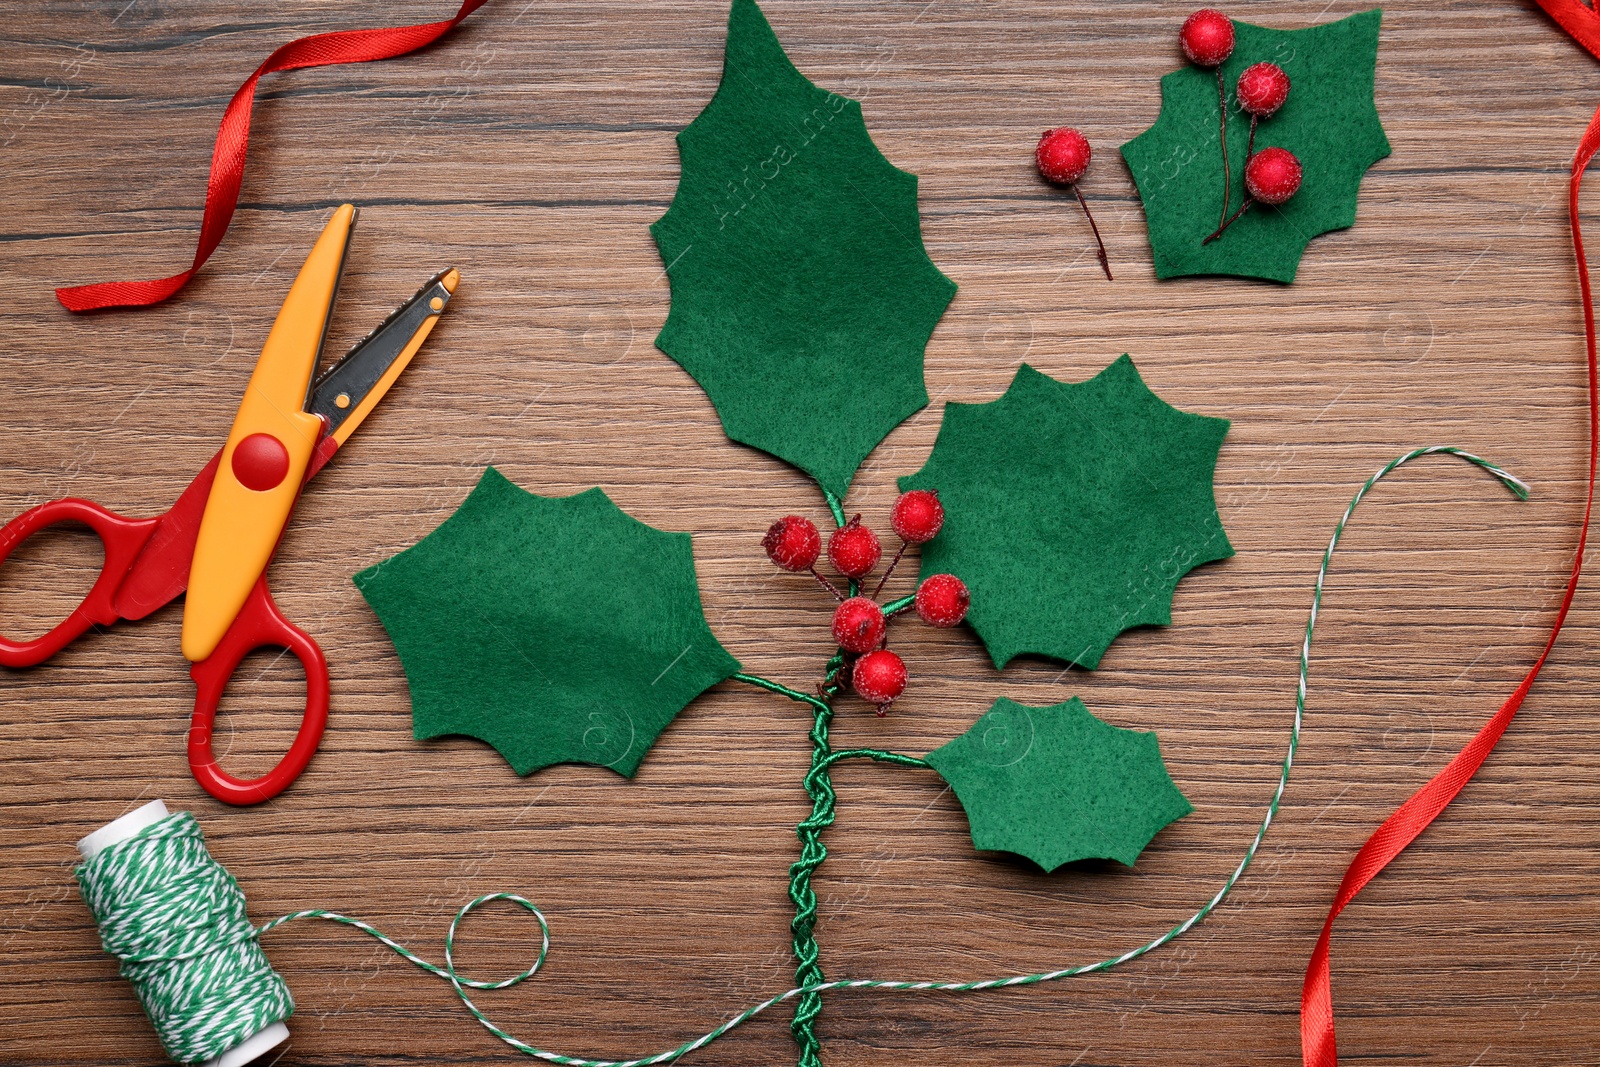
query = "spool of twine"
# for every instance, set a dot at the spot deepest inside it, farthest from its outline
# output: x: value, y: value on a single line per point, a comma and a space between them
x: 175, y: 920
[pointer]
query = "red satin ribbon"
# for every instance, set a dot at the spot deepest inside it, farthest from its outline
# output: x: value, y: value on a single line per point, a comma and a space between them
x: 1318, y: 1047
x: 233, y: 138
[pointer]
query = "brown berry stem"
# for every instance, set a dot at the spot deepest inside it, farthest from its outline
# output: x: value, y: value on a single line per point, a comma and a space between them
x: 1105, y: 264
x: 889, y: 570
x: 1249, y: 154
x: 1242, y: 209
x: 829, y: 586
x: 1227, y: 172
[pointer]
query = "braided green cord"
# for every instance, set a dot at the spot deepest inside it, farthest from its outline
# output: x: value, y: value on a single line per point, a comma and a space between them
x: 820, y: 787
x: 808, y: 969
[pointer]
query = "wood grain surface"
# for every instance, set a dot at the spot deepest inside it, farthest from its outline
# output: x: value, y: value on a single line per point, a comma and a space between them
x: 531, y: 149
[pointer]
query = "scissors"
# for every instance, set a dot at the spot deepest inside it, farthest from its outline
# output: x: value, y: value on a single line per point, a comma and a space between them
x: 217, y: 540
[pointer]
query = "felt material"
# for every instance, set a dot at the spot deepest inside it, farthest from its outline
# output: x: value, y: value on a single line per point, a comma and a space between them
x: 802, y: 296
x: 1329, y: 121
x: 1072, y: 510
x: 1057, y: 784
x: 557, y: 629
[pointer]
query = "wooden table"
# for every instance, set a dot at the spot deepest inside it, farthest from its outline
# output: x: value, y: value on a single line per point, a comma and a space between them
x: 532, y: 149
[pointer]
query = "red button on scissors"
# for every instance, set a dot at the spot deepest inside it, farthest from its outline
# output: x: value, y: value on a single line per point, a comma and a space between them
x: 217, y: 539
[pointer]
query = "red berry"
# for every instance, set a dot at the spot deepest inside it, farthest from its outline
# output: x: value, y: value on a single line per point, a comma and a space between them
x: 858, y: 624
x: 1207, y: 37
x: 1272, y: 175
x: 1263, y: 87
x: 1062, y: 155
x: 942, y: 600
x: 879, y: 677
x: 918, y: 516
x: 854, y: 549
x: 793, y: 543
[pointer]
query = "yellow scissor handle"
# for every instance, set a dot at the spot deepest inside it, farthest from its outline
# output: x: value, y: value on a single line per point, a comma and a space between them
x: 264, y: 461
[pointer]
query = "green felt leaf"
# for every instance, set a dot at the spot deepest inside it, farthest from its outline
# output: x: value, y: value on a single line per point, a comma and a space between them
x: 1072, y: 510
x: 1057, y: 784
x: 557, y: 629
x: 802, y: 297
x: 1329, y: 121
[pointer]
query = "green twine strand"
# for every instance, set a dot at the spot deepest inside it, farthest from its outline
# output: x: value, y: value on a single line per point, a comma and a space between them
x: 158, y: 872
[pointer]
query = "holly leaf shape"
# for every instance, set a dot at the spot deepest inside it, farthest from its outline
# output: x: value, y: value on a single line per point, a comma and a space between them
x: 1329, y: 121
x: 557, y: 629
x: 1057, y: 784
x: 802, y: 296
x: 1072, y: 510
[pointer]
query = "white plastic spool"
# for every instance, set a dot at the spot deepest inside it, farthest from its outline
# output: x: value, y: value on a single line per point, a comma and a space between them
x: 257, y: 1044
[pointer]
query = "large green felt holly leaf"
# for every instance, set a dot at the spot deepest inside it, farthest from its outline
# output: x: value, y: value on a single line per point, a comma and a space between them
x: 557, y: 629
x: 802, y: 297
x: 1071, y: 510
x: 1329, y: 121
x: 1057, y: 784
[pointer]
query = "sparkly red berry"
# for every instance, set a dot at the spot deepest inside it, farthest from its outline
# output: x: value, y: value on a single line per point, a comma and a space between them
x: 1063, y: 155
x: 793, y: 543
x: 854, y: 549
x: 858, y: 624
x: 918, y: 516
x: 1263, y: 87
x: 879, y: 677
x: 942, y: 600
x: 1207, y: 37
x: 1272, y: 175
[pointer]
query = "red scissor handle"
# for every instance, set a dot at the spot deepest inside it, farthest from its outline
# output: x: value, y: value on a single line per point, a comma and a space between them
x: 259, y: 624
x: 123, y: 539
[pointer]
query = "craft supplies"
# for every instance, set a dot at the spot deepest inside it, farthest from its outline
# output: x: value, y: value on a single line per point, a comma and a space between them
x: 153, y: 847
x: 217, y: 540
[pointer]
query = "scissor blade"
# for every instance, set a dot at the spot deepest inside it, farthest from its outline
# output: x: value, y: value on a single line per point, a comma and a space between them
x: 347, y: 392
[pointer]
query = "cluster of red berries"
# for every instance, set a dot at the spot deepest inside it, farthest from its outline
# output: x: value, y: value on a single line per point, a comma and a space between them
x: 860, y: 625
x: 1272, y: 175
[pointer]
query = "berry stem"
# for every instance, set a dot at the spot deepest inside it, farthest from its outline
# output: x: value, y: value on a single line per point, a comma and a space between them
x: 1105, y: 264
x: 1227, y: 172
x: 1242, y: 209
x: 890, y: 569
x: 1249, y: 154
x: 829, y: 586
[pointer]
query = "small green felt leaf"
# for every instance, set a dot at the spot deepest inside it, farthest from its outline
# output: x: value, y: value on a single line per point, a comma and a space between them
x: 1071, y: 510
x: 1057, y: 784
x: 802, y: 297
x: 557, y: 629
x: 1330, y: 122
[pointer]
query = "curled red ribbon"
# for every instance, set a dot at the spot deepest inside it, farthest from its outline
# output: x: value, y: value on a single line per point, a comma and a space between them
x: 233, y: 138
x: 1318, y: 1047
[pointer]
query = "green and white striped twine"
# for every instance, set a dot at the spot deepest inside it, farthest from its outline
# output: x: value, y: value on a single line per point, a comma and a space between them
x: 175, y: 918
